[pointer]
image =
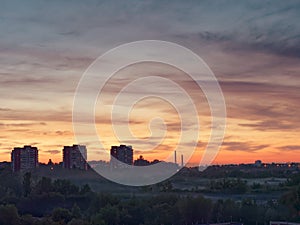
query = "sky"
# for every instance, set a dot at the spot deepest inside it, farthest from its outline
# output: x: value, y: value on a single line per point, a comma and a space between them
x: 252, y: 47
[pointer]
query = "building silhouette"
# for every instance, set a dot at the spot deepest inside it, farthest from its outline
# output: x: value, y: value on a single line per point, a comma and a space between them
x: 258, y: 163
x: 74, y: 157
x: 25, y: 158
x: 121, y: 154
x: 141, y: 161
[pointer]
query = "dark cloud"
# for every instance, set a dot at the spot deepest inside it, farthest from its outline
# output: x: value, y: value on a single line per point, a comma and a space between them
x: 261, y: 24
x: 258, y: 42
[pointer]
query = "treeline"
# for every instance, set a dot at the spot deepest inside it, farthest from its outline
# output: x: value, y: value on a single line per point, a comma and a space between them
x: 97, y: 209
x: 241, y: 171
x: 43, y: 201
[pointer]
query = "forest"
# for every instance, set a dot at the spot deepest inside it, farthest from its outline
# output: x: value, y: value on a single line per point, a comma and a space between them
x: 26, y: 199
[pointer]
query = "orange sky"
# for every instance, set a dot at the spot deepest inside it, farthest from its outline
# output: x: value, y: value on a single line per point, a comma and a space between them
x: 260, y: 124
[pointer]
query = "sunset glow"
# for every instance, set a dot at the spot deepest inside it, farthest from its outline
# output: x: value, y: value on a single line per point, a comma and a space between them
x: 42, y: 59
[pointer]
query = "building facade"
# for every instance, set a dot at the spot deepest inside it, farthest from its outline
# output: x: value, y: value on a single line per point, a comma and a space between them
x: 121, y: 154
x: 25, y: 158
x: 75, y: 157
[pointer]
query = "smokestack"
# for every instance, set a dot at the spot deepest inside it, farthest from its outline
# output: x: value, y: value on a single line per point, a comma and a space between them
x: 181, y: 160
x: 175, y: 157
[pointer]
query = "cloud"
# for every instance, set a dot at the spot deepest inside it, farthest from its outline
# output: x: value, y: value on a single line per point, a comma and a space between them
x: 5, y: 109
x: 20, y: 130
x: 270, y: 125
x: 28, y: 80
x: 5, y: 152
x: 22, y: 124
x: 34, y: 143
x: 289, y: 148
x: 243, y: 146
x: 161, y: 148
x: 65, y: 132
x: 37, y: 114
x: 53, y: 152
x: 263, y: 25
x: 266, y: 106
x: 53, y: 146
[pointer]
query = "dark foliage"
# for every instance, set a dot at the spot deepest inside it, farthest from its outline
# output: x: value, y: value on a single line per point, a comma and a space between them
x: 60, y: 202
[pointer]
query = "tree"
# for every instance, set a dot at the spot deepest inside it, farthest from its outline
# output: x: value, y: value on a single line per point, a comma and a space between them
x: 78, y: 222
x: 101, y: 200
x: 292, y: 201
x: 97, y: 220
x: 9, y: 215
x: 85, y: 189
x: 65, y: 187
x: 61, y: 215
x: 27, y: 184
x: 44, y: 186
x: 27, y: 220
x: 110, y: 215
x: 76, y: 213
x: 195, y: 210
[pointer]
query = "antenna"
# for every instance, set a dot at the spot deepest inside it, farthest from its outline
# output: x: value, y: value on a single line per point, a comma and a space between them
x: 181, y: 160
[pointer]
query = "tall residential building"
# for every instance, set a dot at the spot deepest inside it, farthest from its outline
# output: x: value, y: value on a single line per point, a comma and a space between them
x: 75, y: 157
x: 123, y: 153
x: 25, y: 158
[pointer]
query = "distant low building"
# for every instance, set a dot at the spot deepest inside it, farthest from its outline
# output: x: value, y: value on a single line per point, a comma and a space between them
x: 75, y: 157
x: 228, y: 223
x: 141, y: 161
x: 121, y: 154
x: 282, y: 223
x: 5, y: 164
x: 258, y: 163
x: 25, y: 158
x: 98, y: 164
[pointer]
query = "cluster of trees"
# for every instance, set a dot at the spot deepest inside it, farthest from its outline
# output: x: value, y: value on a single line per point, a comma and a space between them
x: 237, y: 186
x: 28, y: 201
x: 240, y: 186
x: 104, y: 209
